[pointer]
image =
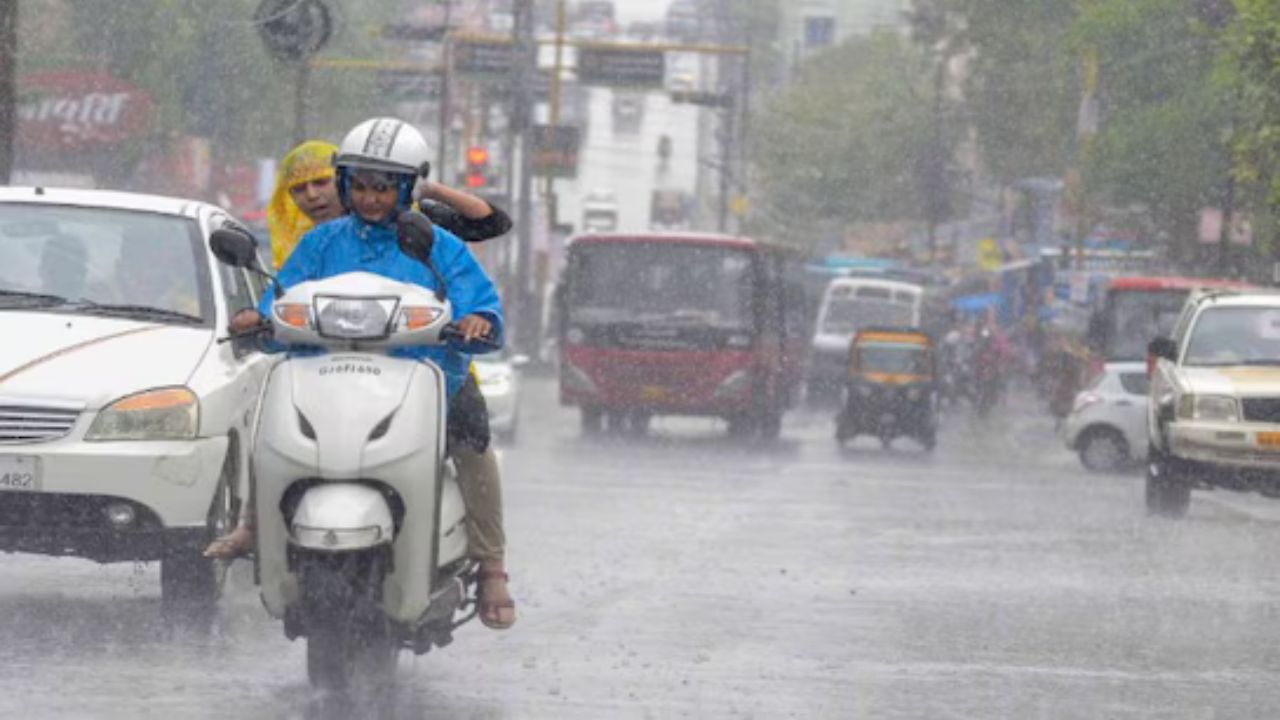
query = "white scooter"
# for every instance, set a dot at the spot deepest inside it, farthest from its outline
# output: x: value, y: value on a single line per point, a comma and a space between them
x: 361, y: 543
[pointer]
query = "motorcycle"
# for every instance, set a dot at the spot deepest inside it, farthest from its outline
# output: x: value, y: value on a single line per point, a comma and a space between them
x: 361, y: 542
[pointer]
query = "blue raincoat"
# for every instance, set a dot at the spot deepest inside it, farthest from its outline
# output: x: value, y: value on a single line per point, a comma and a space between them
x: 350, y: 244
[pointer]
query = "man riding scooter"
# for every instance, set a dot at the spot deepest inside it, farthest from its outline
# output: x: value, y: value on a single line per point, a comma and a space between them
x: 377, y: 166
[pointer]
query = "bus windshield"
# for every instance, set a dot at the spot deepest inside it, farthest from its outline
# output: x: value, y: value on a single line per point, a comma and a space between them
x: 635, y: 281
x: 1137, y: 317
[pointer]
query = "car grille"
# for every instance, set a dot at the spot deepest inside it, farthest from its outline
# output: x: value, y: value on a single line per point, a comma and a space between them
x: 34, y: 424
x: 1261, y: 409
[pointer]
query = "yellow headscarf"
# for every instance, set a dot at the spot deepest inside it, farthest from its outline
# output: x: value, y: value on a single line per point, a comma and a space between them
x: 312, y: 160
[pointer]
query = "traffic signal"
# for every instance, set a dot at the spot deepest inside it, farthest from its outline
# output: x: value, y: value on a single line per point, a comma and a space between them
x: 477, y: 175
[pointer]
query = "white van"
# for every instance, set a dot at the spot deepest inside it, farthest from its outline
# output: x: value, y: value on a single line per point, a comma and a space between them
x: 848, y: 305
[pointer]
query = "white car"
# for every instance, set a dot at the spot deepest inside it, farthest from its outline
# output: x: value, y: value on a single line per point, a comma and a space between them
x: 498, y: 375
x: 1214, y: 418
x: 1108, y: 424
x: 124, y: 421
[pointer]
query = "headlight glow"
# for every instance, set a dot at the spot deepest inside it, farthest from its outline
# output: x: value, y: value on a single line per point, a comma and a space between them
x: 163, y: 414
x: 354, y: 318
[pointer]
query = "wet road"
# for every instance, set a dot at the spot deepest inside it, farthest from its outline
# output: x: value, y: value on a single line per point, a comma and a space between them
x: 687, y: 575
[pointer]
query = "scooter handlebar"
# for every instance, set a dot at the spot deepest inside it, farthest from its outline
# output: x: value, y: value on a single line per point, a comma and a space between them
x: 452, y: 333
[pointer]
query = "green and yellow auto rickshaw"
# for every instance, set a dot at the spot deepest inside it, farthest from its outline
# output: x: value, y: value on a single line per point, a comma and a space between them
x: 890, y: 390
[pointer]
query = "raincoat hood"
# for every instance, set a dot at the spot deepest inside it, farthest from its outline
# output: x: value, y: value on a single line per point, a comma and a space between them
x: 312, y: 160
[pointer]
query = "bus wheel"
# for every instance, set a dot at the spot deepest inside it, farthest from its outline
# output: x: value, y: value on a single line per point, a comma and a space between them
x: 640, y: 423
x: 741, y: 425
x: 592, y: 420
x: 770, y: 425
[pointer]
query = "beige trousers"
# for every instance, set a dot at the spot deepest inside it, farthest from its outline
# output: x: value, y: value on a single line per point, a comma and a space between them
x: 481, y: 484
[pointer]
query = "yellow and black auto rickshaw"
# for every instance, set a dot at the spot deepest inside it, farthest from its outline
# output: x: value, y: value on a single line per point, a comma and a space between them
x: 890, y: 389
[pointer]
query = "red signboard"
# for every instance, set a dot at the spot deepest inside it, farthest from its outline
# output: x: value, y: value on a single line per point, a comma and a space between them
x: 73, y: 110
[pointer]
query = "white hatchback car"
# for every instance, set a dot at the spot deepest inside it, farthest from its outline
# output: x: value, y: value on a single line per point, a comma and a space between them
x: 1108, y: 423
x: 124, y: 417
x: 498, y: 375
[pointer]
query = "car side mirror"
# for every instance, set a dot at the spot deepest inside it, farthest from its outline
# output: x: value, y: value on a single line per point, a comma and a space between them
x: 1161, y: 347
x: 234, y: 247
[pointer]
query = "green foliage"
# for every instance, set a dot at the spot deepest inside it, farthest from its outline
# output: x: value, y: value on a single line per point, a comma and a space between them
x: 1023, y: 86
x: 1166, y: 112
x: 1255, y: 52
x: 846, y: 141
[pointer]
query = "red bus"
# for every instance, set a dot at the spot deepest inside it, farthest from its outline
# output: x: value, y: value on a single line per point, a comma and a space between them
x: 681, y: 324
x: 1136, y: 310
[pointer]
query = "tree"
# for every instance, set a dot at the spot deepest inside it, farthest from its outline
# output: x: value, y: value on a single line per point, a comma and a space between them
x: 1166, y: 113
x: 846, y: 141
x: 1254, y: 41
x: 1022, y: 88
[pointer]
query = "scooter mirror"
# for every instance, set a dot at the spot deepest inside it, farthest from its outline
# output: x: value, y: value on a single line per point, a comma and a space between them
x: 417, y: 240
x: 417, y: 236
x: 234, y: 247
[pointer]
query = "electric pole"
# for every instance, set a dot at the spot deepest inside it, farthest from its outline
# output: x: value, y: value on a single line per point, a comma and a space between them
x: 8, y: 92
x: 522, y: 127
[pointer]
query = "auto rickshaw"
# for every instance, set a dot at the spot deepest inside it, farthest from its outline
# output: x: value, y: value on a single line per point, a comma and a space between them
x: 890, y: 390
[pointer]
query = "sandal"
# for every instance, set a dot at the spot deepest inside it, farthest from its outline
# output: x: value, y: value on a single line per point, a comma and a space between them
x: 235, y: 544
x: 491, y: 610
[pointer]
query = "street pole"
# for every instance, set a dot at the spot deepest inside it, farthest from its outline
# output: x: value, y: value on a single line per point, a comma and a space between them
x: 446, y: 62
x: 300, y: 102
x: 525, y: 59
x: 8, y: 92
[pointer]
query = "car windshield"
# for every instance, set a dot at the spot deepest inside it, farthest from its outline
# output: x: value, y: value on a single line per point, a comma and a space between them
x: 893, y: 358
x: 662, y: 282
x: 102, y: 257
x: 1235, y: 336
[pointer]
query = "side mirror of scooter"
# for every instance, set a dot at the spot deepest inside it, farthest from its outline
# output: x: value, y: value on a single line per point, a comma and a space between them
x: 417, y: 240
x: 237, y: 248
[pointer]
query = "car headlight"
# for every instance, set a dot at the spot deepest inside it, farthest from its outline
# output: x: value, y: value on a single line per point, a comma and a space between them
x: 1221, y: 408
x: 354, y: 318
x: 163, y: 414
x: 495, y: 383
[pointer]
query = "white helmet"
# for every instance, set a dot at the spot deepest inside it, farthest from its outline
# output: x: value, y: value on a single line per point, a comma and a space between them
x: 383, y: 144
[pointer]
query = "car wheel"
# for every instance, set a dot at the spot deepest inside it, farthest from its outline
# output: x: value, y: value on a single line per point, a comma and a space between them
x: 1167, y: 493
x: 190, y: 583
x: 1103, y: 450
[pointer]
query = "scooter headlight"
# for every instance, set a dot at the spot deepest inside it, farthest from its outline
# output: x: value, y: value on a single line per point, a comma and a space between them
x: 354, y: 318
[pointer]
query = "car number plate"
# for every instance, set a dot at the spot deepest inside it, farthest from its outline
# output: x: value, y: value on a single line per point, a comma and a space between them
x: 19, y: 472
x: 1269, y: 439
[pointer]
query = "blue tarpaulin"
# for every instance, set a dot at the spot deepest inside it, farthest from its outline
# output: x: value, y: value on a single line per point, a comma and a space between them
x: 976, y: 303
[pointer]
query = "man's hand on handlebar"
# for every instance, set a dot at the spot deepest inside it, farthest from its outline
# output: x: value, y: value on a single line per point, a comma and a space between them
x: 244, y: 321
x: 474, y: 327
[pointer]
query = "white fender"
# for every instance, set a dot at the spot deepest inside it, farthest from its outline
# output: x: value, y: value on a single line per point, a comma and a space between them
x: 342, y: 516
